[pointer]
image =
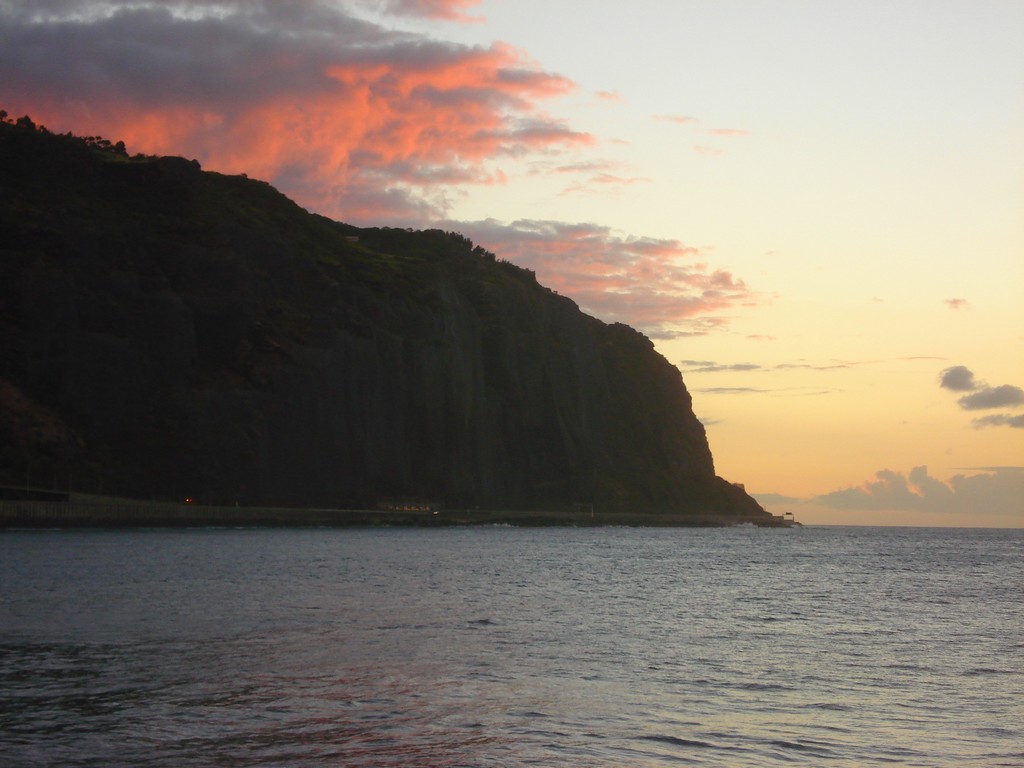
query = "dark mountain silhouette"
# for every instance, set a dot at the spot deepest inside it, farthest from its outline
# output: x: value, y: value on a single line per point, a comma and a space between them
x: 169, y: 332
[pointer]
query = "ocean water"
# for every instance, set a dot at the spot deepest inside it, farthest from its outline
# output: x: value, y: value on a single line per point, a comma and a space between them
x: 512, y: 647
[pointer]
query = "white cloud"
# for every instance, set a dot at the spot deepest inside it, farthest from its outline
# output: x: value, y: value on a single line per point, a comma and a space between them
x: 1001, y: 420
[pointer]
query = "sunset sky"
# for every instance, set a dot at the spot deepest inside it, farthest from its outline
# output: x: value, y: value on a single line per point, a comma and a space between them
x: 815, y: 209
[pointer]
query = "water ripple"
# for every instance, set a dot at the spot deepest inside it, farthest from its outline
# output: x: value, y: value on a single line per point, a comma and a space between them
x: 508, y: 647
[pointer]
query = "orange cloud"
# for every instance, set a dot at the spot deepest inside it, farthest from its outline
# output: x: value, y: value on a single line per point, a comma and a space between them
x: 351, y: 119
x: 659, y: 286
x: 348, y: 118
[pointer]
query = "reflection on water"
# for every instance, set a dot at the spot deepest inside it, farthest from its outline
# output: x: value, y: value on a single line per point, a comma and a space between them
x: 501, y: 647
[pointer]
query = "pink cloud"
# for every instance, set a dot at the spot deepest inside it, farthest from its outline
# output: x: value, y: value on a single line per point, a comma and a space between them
x: 956, y: 303
x: 728, y: 132
x: 612, y: 179
x: 342, y: 115
x: 659, y: 286
x: 365, y: 124
x: 602, y: 181
x: 449, y: 10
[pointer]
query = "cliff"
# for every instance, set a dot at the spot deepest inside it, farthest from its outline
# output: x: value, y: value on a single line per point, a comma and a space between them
x: 169, y: 332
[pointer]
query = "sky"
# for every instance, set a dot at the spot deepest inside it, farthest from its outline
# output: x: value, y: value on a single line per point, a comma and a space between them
x: 814, y: 209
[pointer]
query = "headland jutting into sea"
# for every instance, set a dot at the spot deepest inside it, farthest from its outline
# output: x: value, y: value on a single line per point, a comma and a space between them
x: 169, y: 332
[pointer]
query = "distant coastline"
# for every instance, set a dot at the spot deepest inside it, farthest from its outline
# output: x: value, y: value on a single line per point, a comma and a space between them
x: 87, y: 511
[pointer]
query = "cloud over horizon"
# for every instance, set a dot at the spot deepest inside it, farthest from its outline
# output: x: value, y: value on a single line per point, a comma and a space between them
x: 992, y: 491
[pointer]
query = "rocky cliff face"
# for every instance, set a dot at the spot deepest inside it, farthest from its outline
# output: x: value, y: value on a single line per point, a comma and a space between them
x: 168, y: 332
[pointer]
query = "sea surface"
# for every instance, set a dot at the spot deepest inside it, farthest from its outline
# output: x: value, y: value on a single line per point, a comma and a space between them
x: 821, y: 646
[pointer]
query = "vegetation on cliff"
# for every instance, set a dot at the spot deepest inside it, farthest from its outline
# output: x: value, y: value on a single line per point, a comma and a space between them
x: 169, y: 332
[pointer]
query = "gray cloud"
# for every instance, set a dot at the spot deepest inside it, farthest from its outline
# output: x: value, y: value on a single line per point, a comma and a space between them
x: 1002, y: 396
x: 733, y: 391
x: 998, y: 491
x: 959, y: 378
x: 339, y: 112
x: 227, y: 54
x: 982, y: 397
x: 710, y: 366
x: 437, y: 9
x: 1001, y: 420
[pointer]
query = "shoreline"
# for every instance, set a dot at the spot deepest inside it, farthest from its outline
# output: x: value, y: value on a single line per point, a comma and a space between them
x: 129, y: 514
